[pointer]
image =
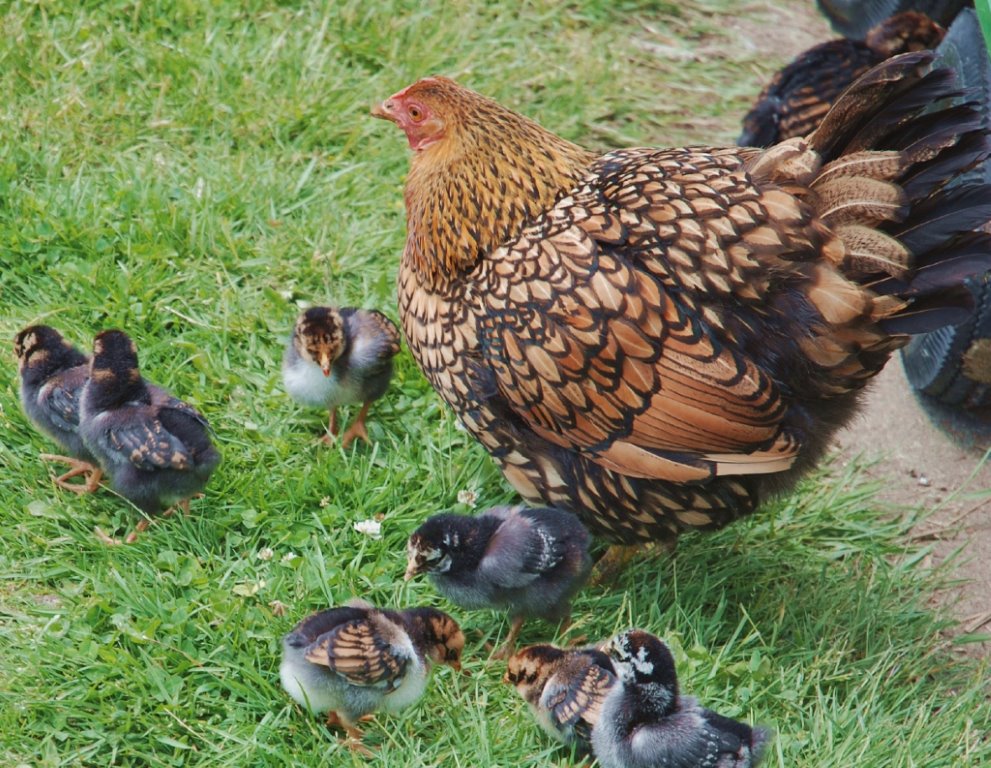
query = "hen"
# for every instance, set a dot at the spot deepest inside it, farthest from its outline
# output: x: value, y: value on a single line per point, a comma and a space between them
x: 656, y: 338
x: 799, y: 95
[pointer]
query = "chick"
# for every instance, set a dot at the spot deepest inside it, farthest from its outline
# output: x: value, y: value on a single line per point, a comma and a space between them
x: 352, y: 660
x: 564, y: 689
x: 53, y: 373
x: 644, y: 722
x: 155, y: 447
x: 340, y: 356
x: 531, y: 561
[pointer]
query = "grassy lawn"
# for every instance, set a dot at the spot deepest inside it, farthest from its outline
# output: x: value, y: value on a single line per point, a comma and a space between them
x: 195, y: 172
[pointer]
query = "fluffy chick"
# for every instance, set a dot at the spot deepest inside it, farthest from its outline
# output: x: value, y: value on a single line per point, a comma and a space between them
x: 644, y: 722
x: 564, y: 689
x: 531, y: 561
x: 53, y: 373
x: 352, y: 660
x: 155, y: 447
x: 340, y: 356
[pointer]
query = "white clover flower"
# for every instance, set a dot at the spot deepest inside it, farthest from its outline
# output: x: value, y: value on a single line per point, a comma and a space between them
x: 265, y: 553
x: 467, y: 497
x: 371, y: 528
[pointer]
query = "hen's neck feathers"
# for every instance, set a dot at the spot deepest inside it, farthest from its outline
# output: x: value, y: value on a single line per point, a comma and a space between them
x: 470, y: 192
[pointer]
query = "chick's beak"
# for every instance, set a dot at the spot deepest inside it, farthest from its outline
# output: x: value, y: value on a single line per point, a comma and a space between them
x: 411, y: 570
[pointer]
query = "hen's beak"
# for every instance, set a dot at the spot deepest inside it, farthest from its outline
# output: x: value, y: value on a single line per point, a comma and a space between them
x: 384, y: 110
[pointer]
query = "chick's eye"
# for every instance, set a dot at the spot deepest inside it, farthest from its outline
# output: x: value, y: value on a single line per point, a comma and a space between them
x: 415, y: 113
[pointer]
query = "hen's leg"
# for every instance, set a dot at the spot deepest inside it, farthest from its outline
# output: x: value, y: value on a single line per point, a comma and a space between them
x: 618, y: 557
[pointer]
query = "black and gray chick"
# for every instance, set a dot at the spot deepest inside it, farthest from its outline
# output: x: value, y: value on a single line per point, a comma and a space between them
x: 53, y: 373
x: 644, y: 721
x: 564, y: 689
x: 155, y: 448
x: 340, y: 356
x: 352, y: 660
x: 531, y: 561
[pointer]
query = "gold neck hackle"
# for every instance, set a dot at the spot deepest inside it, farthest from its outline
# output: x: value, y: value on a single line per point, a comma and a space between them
x: 467, y: 194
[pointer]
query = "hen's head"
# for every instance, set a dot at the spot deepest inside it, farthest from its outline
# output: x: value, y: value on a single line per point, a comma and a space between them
x: 426, y: 111
x: 479, y: 171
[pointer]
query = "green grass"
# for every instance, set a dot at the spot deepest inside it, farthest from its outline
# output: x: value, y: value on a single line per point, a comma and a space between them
x: 191, y: 172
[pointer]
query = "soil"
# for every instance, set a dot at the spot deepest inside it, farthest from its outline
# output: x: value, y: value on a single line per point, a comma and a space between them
x: 923, y: 456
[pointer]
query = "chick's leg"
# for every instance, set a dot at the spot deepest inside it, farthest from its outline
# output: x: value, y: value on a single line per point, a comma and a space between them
x: 332, y: 427
x: 110, y: 541
x: 565, y: 627
x: 355, y: 736
x: 507, y: 649
x: 77, y: 467
x: 357, y: 429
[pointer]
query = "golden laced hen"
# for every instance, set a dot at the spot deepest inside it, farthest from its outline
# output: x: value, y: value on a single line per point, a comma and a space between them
x: 800, y: 94
x: 653, y: 338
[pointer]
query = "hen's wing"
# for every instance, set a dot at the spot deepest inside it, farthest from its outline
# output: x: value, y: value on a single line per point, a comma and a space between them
x: 597, y: 323
x: 359, y: 653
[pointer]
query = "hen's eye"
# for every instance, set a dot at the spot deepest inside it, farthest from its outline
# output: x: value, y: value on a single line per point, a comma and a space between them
x: 415, y: 113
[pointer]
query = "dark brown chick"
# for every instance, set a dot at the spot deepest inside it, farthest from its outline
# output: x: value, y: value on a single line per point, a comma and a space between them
x: 655, y: 339
x: 563, y: 688
x: 53, y: 373
x: 799, y: 95
x: 155, y: 448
